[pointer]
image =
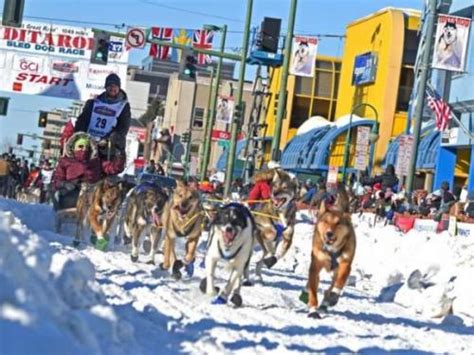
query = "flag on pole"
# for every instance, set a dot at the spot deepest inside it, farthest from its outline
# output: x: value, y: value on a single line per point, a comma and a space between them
x: 181, y: 36
x: 440, y: 108
x: 203, y: 39
x: 162, y: 34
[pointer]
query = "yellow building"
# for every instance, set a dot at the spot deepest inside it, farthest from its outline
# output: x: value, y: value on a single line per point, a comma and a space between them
x: 377, y: 69
x: 306, y: 97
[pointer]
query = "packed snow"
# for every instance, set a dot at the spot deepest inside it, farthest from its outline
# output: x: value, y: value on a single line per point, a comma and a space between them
x: 407, y: 293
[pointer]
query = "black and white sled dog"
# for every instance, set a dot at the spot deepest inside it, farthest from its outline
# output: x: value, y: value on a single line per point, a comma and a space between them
x: 145, y: 207
x: 231, y: 239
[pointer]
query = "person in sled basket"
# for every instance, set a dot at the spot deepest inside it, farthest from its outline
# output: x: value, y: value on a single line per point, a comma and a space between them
x: 80, y: 164
x: 107, y: 120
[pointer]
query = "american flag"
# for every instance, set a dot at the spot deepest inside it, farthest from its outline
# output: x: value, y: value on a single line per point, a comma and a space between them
x: 203, y: 39
x: 162, y: 34
x: 440, y: 108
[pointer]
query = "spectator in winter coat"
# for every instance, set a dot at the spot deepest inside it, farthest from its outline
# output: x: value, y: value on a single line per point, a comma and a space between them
x: 34, y: 177
x: 388, y: 179
x: 151, y: 167
x: 163, y: 145
x: 261, y: 189
x: 46, y: 180
x: 4, y: 172
x: 80, y: 164
x: 107, y: 119
x: 67, y: 132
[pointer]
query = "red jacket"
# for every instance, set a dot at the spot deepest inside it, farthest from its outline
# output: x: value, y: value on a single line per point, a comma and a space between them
x: 73, y: 170
x: 260, y: 191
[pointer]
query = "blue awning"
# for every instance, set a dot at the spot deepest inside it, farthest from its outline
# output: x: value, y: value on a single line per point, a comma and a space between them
x: 310, y: 151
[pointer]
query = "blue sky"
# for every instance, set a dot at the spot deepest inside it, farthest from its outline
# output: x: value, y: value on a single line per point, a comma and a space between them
x: 313, y: 17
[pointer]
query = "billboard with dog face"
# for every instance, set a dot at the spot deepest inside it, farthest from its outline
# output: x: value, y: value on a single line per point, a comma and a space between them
x: 224, y: 109
x: 303, y: 58
x: 452, y: 35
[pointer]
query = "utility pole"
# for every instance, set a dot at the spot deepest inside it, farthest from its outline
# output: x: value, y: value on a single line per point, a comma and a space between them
x: 236, y: 121
x: 212, y: 112
x: 202, y: 153
x: 423, y: 70
x: 283, y: 83
x: 187, y: 153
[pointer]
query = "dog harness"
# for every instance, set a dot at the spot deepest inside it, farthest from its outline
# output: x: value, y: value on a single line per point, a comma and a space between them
x: 247, y: 214
x: 333, y: 255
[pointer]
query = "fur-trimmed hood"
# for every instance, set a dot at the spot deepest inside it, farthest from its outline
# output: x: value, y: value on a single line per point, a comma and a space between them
x: 69, y: 148
x: 264, y: 175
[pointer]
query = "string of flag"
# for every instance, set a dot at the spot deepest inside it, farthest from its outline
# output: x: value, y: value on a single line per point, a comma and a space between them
x: 201, y: 39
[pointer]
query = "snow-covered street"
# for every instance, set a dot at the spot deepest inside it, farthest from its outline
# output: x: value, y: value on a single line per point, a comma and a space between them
x: 55, y: 299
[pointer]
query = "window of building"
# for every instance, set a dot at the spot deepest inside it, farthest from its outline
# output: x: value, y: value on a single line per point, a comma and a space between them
x: 323, y: 87
x: 198, y: 120
x: 410, y: 47
x: 303, y: 85
x: 300, y: 111
x: 407, y: 79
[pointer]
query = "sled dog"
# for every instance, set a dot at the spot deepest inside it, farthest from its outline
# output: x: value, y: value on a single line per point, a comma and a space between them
x: 182, y: 217
x: 144, y: 212
x: 333, y: 249
x: 107, y: 196
x: 275, y: 220
x: 231, y: 239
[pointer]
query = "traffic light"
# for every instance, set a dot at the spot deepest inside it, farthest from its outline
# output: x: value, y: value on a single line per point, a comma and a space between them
x: 10, y: 150
x: 100, y: 53
x: 43, y: 119
x: 19, y: 139
x: 13, y: 13
x: 31, y: 154
x: 185, y: 137
x: 187, y: 66
x: 47, y: 144
x: 239, y: 111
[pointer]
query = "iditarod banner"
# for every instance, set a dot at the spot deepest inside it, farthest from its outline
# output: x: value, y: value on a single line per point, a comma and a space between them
x: 51, y: 60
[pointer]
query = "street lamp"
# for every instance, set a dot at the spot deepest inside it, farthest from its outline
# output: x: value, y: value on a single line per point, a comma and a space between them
x: 373, y: 137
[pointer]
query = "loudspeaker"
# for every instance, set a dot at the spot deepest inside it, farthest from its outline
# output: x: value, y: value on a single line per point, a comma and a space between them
x: 270, y: 34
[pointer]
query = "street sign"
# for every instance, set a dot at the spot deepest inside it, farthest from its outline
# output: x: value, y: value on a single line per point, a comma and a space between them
x: 331, y: 182
x: 135, y: 37
x: 362, y: 145
x: 404, y: 153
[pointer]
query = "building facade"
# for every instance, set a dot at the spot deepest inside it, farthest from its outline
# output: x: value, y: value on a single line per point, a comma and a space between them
x: 179, y: 116
x: 307, y: 97
x: 377, y: 69
x: 376, y: 80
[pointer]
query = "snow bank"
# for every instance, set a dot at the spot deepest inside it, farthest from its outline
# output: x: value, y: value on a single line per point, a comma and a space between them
x: 50, y: 301
x: 424, y: 271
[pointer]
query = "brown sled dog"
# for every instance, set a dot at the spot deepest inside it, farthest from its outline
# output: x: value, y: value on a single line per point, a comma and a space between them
x: 334, y: 245
x: 276, y: 220
x: 106, y: 198
x: 143, y: 214
x: 182, y: 217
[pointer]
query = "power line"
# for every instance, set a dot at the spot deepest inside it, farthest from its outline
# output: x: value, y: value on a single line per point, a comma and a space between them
x: 150, y: 2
